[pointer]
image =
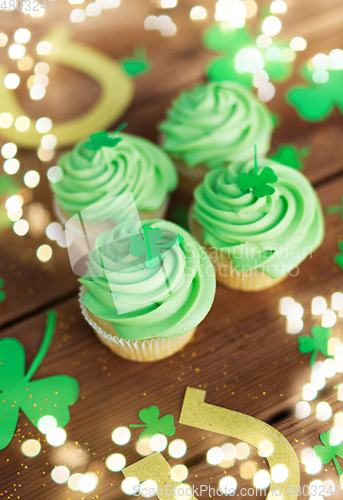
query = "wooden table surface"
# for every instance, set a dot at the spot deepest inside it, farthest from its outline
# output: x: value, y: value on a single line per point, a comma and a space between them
x: 241, y: 354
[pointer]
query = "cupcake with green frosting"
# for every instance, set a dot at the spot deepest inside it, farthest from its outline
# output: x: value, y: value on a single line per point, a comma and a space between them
x: 212, y: 125
x: 257, y: 222
x: 97, y: 171
x: 148, y: 287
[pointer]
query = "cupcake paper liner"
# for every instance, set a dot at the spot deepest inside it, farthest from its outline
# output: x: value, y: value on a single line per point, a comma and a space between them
x: 253, y: 282
x: 136, y: 350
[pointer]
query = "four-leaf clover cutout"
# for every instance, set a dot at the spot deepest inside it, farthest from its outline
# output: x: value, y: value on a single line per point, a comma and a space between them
x: 316, y: 102
x: 37, y: 398
x: 339, y: 256
x: 153, y: 424
x: 291, y: 156
x: 2, y: 294
x: 329, y: 452
x: 104, y: 139
x: 318, y: 342
x: 336, y: 209
x: 149, y: 245
x: 259, y: 183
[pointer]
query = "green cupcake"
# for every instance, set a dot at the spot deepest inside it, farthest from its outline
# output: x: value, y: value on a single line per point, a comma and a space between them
x: 134, y: 165
x: 212, y: 125
x: 145, y: 312
x: 255, y: 240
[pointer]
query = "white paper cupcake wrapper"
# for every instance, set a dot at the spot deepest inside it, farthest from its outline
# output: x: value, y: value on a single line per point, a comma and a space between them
x: 136, y: 350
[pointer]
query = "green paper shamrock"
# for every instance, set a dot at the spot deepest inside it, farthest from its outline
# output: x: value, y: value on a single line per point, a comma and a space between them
x: 138, y: 64
x: 2, y: 294
x: 336, y: 209
x: 292, y: 156
x: 153, y: 424
x: 258, y: 182
x: 104, y: 139
x: 180, y: 216
x: 339, y: 256
x: 227, y: 40
x: 318, y: 342
x: 37, y: 398
x: 148, y: 245
x: 317, y: 101
x: 328, y: 452
x: 223, y: 68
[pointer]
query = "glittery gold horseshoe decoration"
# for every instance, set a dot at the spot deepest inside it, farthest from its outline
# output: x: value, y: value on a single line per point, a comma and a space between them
x: 196, y: 413
x: 116, y: 90
x: 156, y: 467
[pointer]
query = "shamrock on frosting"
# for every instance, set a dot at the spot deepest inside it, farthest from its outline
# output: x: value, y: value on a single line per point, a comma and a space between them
x: 153, y: 424
x: 329, y: 452
x: 258, y: 182
x: 317, y: 342
x: 104, y: 139
x: 37, y: 398
x: 149, y: 245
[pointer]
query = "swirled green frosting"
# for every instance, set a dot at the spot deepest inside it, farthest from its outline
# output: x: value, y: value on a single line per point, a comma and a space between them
x: 273, y: 234
x: 216, y: 123
x: 160, y: 302
x: 134, y: 165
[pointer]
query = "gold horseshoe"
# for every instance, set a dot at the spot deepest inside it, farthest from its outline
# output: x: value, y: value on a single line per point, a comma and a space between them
x: 196, y: 413
x: 116, y: 93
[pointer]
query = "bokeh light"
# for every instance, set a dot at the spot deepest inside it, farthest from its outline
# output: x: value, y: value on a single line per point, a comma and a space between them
x: 323, y: 411
x: 47, y: 424
x: 87, y: 482
x: 271, y: 26
x: 158, y: 442
x: 6, y: 120
x: 60, y: 474
x: 44, y: 254
x: 22, y: 35
x: 215, y: 455
x: 43, y: 125
x: 179, y: 473
x: 30, y: 448
x: 130, y: 485
x: 11, y: 166
x: 115, y: 462
x: 43, y: 48
x: 177, y: 448
x: 302, y: 409
x: 261, y: 479
x: 22, y: 123
x: 11, y: 81
x: 55, y: 174
x: 279, y: 473
x: 55, y: 437
x: 198, y: 13
x: 228, y: 485
x: 21, y: 227
x: 318, y: 305
x: 121, y: 435
x: 16, y: 51
x: 31, y: 179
